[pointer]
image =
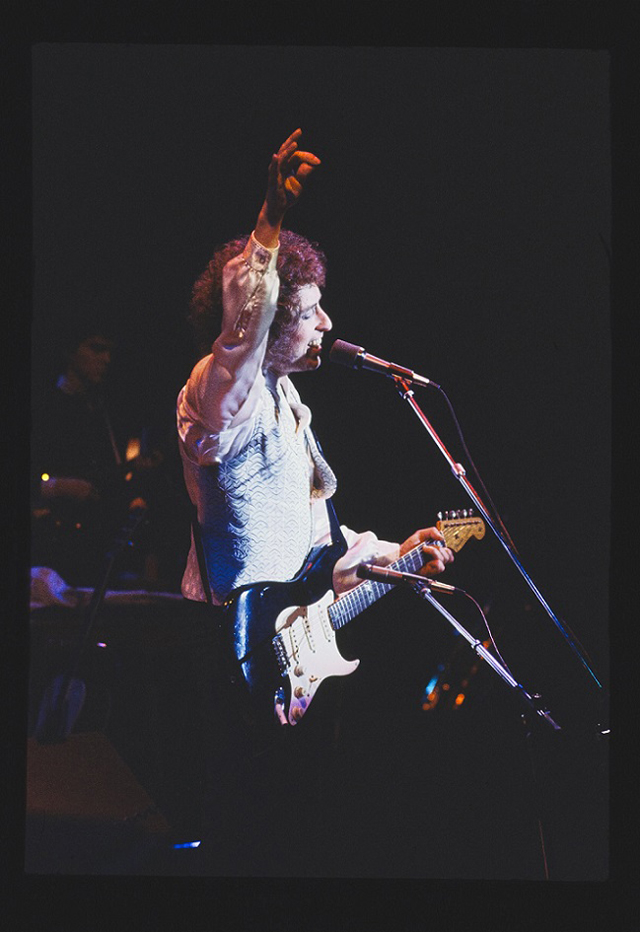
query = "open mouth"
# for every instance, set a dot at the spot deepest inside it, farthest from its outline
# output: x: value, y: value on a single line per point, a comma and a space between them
x: 314, y: 347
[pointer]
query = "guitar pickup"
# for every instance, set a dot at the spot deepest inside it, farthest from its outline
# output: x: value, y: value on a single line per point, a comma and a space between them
x: 281, y: 654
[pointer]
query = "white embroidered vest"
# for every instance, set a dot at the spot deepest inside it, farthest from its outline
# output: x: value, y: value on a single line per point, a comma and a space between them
x: 255, y: 509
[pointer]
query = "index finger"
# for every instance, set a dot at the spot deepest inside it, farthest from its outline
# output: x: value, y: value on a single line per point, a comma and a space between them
x: 295, y: 135
x: 430, y: 533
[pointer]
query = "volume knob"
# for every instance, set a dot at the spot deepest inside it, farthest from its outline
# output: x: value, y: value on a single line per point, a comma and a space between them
x: 298, y: 692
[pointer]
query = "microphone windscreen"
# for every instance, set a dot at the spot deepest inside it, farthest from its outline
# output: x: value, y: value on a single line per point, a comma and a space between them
x: 345, y: 353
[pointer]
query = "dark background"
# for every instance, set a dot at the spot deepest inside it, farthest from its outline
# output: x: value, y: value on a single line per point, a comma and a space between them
x: 464, y: 203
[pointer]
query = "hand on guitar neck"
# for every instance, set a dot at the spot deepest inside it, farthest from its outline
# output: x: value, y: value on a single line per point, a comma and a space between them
x: 436, y: 552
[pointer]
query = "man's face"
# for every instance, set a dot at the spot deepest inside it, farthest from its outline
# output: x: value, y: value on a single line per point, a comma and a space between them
x: 91, y: 360
x: 300, y: 351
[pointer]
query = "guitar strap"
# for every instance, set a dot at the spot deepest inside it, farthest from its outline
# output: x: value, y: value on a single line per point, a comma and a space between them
x: 202, y: 562
x: 337, y: 536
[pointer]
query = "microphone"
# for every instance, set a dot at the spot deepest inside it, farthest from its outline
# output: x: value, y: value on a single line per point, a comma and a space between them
x: 392, y: 577
x: 347, y: 354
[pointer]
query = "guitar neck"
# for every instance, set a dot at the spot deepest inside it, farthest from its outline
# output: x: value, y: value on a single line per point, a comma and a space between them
x: 357, y: 600
x: 456, y: 528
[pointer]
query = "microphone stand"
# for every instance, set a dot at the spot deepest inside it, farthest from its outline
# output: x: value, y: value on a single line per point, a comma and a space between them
x: 404, y: 387
x: 533, y: 702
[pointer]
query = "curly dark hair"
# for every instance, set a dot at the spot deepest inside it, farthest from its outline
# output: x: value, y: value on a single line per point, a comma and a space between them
x: 300, y: 262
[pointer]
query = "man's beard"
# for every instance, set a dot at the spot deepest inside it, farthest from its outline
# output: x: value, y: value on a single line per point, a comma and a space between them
x: 280, y: 349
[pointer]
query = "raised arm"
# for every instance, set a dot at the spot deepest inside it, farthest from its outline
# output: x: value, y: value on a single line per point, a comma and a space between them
x: 225, y: 387
x: 288, y: 170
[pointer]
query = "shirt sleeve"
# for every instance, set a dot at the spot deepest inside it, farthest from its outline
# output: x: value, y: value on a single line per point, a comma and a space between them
x: 223, y: 395
x: 363, y: 547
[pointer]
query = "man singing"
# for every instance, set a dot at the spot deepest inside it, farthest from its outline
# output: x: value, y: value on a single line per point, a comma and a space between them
x: 253, y: 470
x: 251, y: 465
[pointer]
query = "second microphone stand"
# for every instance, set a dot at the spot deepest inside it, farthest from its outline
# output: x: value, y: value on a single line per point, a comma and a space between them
x: 533, y: 702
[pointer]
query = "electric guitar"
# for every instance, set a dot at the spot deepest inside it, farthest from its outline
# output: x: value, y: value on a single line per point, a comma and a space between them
x: 280, y: 638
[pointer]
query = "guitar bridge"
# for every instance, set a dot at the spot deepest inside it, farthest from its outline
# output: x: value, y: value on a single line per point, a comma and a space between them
x: 281, y: 654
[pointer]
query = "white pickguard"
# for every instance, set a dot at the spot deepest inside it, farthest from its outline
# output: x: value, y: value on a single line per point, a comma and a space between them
x: 309, y: 642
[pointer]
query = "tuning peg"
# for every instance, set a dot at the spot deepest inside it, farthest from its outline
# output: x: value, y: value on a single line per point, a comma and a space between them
x: 440, y: 516
x: 465, y: 513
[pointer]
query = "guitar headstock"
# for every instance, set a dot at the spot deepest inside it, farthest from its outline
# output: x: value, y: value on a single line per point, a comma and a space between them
x: 458, y: 526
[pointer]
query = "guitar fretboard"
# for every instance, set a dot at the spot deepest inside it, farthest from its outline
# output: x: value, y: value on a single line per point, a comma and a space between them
x: 346, y: 608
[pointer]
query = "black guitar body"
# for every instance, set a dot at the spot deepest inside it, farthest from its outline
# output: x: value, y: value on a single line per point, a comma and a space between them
x: 279, y: 638
x: 248, y: 629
